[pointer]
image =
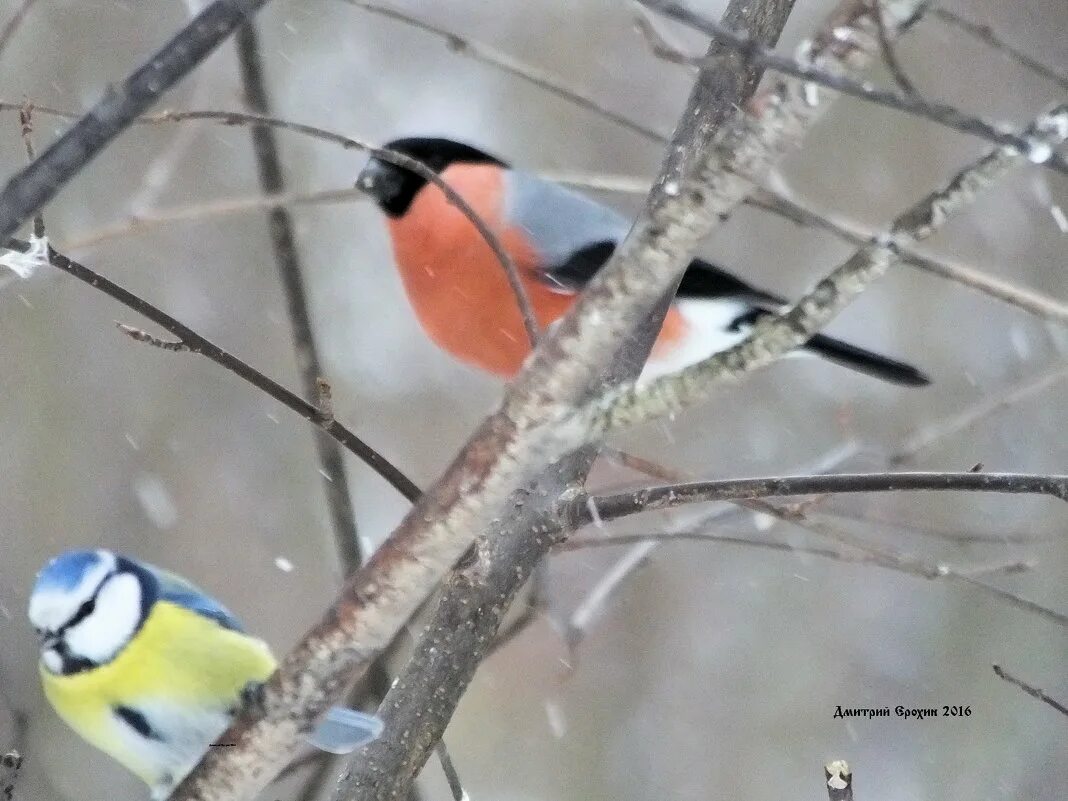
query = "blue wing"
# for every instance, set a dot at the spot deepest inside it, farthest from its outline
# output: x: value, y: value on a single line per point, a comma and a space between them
x: 342, y: 731
x: 178, y: 591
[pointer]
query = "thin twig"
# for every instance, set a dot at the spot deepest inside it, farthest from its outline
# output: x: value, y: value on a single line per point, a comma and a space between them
x: 38, y: 183
x: 12, y: 24
x: 1023, y: 298
x: 1026, y: 299
x: 449, y: 769
x: 208, y: 210
x: 287, y: 260
x: 400, y: 159
x: 159, y: 172
x: 526, y: 72
x: 889, y: 53
x: 967, y: 418
x: 940, y: 113
x: 670, y: 496
x: 205, y: 347
x: 26, y: 121
x: 1034, y: 692
x: 987, y: 35
x: 589, y: 609
x: 839, y: 779
x: 1015, y: 600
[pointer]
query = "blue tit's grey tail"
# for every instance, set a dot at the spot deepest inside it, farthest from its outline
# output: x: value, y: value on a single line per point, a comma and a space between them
x: 342, y: 731
x: 866, y: 361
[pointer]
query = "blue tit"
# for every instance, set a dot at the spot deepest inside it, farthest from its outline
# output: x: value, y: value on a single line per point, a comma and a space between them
x: 148, y: 668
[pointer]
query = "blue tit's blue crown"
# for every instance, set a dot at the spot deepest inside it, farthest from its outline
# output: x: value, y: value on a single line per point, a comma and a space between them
x: 66, y: 571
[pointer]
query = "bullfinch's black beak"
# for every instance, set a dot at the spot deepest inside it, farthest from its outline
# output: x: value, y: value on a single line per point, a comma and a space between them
x: 380, y: 180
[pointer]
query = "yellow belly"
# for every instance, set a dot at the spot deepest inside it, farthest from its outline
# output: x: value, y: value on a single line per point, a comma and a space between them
x: 182, y: 671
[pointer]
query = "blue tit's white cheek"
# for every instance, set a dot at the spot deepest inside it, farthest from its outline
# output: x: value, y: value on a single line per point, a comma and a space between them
x: 52, y: 660
x: 115, y: 618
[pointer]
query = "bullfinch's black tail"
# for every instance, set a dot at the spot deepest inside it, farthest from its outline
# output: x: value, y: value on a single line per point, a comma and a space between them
x: 864, y: 361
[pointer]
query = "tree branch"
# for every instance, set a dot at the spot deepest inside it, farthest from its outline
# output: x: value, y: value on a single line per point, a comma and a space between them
x: 287, y: 260
x: 1023, y: 298
x: 986, y: 34
x: 464, y: 627
x: 8, y: 31
x: 38, y: 183
x: 940, y: 113
x: 195, y: 343
x: 775, y: 335
x: 506, y: 451
x: 670, y: 496
x: 479, y: 52
x: 1034, y: 692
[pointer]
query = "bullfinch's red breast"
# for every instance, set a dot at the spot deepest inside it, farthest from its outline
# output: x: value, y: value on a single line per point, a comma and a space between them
x: 558, y: 239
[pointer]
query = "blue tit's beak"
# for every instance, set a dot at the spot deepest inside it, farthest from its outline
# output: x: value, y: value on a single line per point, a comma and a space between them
x: 381, y: 180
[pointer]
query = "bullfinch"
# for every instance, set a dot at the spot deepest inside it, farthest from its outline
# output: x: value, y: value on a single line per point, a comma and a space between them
x: 558, y: 239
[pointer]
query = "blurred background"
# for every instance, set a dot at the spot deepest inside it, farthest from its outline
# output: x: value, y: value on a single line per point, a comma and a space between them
x: 715, y: 670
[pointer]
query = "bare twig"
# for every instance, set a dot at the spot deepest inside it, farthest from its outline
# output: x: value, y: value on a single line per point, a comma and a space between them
x: 776, y: 335
x: 973, y: 414
x: 1015, y: 600
x: 203, y: 346
x: 287, y: 260
x: 1026, y: 299
x: 839, y: 778
x: 1023, y: 298
x: 208, y: 210
x: 940, y: 113
x: 589, y: 609
x: 612, y: 507
x: 9, y: 774
x: 986, y: 34
x: 886, y: 45
x: 8, y: 31
x: 526, y: 72
x: 1034, y: 692
x: 449, y: 769
x: 34, y: 186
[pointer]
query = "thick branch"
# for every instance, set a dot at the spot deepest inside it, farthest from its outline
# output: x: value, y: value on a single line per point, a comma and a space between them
x: 497, y: 460
x: 466, y: 622
x: 34, y: 186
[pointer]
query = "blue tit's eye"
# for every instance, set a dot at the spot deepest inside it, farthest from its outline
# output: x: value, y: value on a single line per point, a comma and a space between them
x: 83, y: 612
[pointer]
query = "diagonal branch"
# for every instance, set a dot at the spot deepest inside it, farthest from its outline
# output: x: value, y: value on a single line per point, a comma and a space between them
x: 195, y: 343
x: 670, y: 496
x: 774, y: 336
x: 38, y: 183
x: 940, y: 113
x: 499, y: 457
